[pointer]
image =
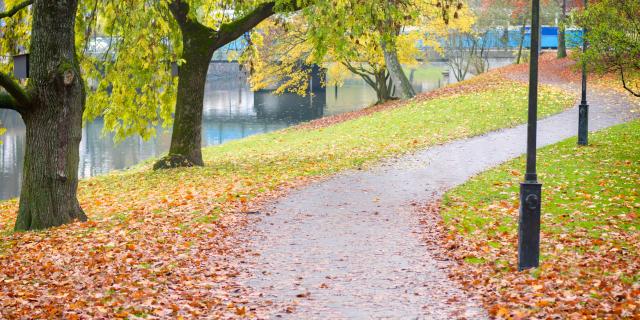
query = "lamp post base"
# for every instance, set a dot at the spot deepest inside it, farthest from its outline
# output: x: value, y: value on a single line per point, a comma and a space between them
x: 583, y: 124
x: 529, y: 225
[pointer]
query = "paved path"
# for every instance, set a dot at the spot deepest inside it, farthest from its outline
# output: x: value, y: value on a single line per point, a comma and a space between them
x: 349, y: 247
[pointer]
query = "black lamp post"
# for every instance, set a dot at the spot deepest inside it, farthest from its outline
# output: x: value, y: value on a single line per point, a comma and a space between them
x: 583, y: 108
x: 530, y: 189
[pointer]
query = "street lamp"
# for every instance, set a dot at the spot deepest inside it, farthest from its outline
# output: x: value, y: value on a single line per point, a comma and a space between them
x: 531, y: 189
x: 583, y: 108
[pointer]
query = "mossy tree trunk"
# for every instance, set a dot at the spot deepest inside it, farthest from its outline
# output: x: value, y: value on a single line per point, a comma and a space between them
x: 51, y: 107
x: 199, y: 44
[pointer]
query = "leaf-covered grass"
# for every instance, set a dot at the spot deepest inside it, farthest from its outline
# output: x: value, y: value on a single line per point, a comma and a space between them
x: 590, y: 252
x: 155, y: 243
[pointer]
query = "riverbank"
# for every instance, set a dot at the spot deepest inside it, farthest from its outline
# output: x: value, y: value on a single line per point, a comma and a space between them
x: 589, y: 250
x: 158, y: 243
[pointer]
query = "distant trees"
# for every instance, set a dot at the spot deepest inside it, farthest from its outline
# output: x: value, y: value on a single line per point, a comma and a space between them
x: 614, y: 40
x: 51, y: 106
x: 388, y: 19
x: 566, y: 6
x: 351, y: 38
x: 282, y: 55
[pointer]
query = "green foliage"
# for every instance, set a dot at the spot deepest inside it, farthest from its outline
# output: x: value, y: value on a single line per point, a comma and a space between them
x: 334, y: 24
x: 132, y: 84
x: 614, y: 40
x: 14, y: 36
x: 349, y: 43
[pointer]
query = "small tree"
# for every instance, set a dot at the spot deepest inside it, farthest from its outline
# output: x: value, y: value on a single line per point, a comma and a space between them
x: 614, y: 40
x: 465, y: 50
x: 458, y: 53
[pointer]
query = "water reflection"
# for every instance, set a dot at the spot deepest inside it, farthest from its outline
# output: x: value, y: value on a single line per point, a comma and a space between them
x: 231, y: 111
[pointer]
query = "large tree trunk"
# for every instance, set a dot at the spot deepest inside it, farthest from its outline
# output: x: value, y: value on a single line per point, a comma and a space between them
x: 199, y: 43
x: 398, y: 76
x: 562, y: 43
x: 53, y: 120
x: 185, y: 150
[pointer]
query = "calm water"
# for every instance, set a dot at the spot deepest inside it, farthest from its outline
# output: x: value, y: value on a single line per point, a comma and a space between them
x: 231, y: 111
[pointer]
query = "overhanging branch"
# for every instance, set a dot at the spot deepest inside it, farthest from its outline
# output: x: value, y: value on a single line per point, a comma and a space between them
x: 234, y: 29
x: 15, y: 9
x: 16, y: 92
x: 7, y: 102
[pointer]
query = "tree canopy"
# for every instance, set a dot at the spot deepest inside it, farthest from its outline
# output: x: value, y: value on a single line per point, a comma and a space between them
x: 614, y: 40
x: 283, y: 49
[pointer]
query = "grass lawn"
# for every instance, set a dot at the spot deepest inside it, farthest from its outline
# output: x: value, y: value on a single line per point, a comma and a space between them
x: 302, y: 152
x: 426, y: 72
x: 590, y: 250
x: 149, y: 229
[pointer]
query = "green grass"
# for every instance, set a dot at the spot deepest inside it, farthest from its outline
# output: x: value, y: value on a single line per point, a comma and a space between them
x: 425, y: 73
x: 354, y: 143
x: 590, y: 230
x: 590, y: 192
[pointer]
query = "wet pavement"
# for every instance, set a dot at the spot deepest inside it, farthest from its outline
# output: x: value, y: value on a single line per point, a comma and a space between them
x: 350, y: 247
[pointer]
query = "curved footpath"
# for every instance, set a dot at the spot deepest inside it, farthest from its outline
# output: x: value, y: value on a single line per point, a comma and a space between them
x: 350, y: 247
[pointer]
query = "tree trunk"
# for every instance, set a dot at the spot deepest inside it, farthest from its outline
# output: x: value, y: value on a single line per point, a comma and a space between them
x: 185, y: 149
x: 522, y: 34
x: 562, y: 43
x: 383, y: 87
x: 395, y: 70
x: 199, y: 42
x: 53, y: 120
